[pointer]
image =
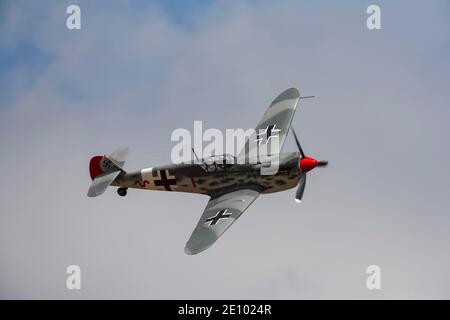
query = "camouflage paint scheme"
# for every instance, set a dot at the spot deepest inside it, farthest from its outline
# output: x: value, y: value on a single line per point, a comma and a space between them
x: 231, y: 185
x: 216, y: 177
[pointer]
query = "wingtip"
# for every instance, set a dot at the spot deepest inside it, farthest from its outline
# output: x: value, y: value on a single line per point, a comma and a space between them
x: 288, y: 94
x: 192, y: 252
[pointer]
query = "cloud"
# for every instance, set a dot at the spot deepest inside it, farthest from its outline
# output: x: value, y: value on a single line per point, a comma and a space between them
x: 134, y: 73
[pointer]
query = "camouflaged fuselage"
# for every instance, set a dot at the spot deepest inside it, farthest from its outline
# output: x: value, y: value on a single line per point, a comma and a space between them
x: 211, y: 178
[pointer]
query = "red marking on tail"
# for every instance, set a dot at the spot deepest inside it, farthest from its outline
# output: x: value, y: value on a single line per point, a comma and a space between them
x: 94, y: 167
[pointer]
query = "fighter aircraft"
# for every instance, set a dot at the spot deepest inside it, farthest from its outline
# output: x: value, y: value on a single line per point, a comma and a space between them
x: 231, y: 184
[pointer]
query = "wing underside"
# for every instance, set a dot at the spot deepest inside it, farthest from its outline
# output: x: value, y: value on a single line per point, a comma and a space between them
x: 219, y: 214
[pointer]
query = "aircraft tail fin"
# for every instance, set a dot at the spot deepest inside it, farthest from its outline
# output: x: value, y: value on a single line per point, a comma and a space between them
x: 104, y: 170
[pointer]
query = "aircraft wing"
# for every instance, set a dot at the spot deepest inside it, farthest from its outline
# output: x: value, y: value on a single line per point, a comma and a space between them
x: 274, y: 124
x: 218, y: 216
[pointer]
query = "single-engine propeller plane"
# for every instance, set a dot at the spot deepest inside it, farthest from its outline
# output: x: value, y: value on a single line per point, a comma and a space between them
x: 231, y: 184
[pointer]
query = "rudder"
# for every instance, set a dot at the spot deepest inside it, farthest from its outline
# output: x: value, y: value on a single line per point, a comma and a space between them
x: 104, y: 170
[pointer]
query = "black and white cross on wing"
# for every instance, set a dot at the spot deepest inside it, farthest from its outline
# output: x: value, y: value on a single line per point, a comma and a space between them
x: 218, y: 216
x: 221, y: 214
x: 269, y: 133
x: 279, y: 115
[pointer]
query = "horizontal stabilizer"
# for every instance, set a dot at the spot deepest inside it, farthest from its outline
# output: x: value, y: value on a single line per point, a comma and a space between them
x: 101, y: 183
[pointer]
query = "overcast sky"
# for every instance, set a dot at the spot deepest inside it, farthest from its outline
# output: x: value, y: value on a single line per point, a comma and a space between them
x: 137, y: 70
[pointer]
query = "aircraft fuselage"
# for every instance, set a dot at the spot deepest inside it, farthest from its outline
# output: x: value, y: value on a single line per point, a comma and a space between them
x: 209, y: 178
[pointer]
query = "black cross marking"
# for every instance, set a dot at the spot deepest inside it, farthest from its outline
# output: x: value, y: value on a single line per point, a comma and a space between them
x: 220, y: 215
x: 269, y: 132
x: 166, y: 183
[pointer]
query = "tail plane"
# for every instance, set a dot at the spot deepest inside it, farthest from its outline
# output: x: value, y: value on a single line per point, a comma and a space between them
x: 104, y: 170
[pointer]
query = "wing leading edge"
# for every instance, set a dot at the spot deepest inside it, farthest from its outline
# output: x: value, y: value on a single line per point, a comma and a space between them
x: 218, y: 216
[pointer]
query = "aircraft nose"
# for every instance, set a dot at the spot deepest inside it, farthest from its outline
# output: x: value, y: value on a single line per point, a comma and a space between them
x: 307, y: 163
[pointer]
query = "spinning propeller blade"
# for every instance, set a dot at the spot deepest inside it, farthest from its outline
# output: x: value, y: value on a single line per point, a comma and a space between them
x: 298, y: 144
x: 322, y: 163
x: 300, y: 189
x: 305, y: 164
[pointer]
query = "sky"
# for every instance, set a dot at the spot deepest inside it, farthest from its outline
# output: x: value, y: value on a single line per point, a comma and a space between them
x: 137, y: 70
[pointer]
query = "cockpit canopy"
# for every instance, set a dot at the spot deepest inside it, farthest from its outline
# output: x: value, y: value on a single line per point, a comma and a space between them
x: 221, y: 159
x: 217, y: 163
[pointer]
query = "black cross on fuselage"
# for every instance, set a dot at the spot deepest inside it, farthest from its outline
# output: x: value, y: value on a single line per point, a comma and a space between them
x: 166, y: 183
x: 220, y: 215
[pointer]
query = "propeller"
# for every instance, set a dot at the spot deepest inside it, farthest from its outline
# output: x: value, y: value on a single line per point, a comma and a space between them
x: 300, y: 189
x: 305, y: 164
